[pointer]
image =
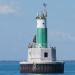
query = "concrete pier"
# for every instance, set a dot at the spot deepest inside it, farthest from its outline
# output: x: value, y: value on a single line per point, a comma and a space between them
x: 50, y: 67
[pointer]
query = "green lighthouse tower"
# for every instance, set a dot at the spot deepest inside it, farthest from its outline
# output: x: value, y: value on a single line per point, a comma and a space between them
x: 41, y: 35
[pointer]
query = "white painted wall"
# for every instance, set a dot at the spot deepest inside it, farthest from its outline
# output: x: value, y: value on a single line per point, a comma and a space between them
x: 51, y: 54
x: 41, y: 23
x: 37, y: 54
x: 34, y: 54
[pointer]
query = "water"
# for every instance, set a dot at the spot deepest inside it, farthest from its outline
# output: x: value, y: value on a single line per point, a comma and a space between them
x: 12, y: 68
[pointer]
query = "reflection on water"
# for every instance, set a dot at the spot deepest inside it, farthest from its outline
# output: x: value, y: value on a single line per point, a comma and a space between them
x: 42, y: 74
x: 35, y: 74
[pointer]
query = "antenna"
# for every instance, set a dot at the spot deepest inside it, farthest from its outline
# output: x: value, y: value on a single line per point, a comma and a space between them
x: 45, y: 11
x: 44, y: 4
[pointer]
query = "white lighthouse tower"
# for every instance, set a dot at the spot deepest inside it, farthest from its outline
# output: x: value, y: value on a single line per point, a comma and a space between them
x: 41, y: 58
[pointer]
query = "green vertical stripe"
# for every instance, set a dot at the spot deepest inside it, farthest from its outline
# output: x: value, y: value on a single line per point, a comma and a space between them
x: 41, y: 37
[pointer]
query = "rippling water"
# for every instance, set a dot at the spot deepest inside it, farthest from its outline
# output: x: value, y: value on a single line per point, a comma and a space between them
x: 12, y: 68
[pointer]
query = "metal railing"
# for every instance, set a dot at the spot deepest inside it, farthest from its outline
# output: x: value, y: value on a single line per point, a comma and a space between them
x: 36, y: 45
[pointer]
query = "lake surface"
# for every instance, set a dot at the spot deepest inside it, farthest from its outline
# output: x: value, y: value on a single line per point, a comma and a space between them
x: 13, y: 68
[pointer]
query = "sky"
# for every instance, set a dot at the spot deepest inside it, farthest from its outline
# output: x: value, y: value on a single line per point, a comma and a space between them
x: 18, y: 26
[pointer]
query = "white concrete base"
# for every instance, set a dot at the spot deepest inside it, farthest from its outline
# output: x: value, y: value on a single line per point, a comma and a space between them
x: 42, y: 62
x: 38, y: 54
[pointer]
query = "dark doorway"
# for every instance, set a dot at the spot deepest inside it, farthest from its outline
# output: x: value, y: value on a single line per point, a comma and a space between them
x: 45, y: 54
